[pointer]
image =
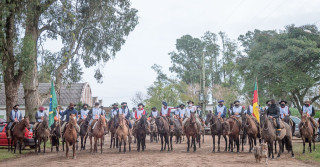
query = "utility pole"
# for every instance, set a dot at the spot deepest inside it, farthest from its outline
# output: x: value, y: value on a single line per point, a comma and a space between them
x: 202, y: 83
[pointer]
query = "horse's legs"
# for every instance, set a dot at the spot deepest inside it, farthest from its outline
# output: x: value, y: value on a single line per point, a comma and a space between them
x: 188, y: 142
x: 138, y: 143
x: 111, y: 140
x: 280, y: 147
x: 225, y: 139
x: 120, y: 143
x: 63, y: 144
x: 170, y: 141
x: 238, y: 144
x: 44, y: 145
x: 242, y: 142
x: 314, y: 145
x: 275, y: 147
x: 304, y: 144
x: 271, y: 144
x: 95, y: 147
x: 124, y: 144
x: 67, y: 149
x: 194, y: 143
x: 219, y: 143
x: 85, y: 142
x: 199, y: 141
x: 21, y: 140
x: 310, y: 146
x: 269, y: 149
x: 143, y: 143
x: 161, y: 143
x: 117, y: 142
x: 74, y: 150
x: 91, y: 143
x: 81, y: 140
x: 213, y: 143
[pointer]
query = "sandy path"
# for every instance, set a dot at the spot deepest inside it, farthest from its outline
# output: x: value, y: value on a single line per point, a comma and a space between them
x: 152, y: 157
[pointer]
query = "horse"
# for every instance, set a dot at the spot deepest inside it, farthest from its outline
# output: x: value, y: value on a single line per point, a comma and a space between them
x: 84, y: 132
x: 112, y: 128
x: 55, y: 134
x: 233, y: 133
x: 153, y: 130
x: 191, y: 130
x: 141, y: 132
x: 306, y: 132
x: 123, y: 133
x: 216, y: 129
x: 133, y: 135
x: 98, y: 133
x: 292, y: 125
x: 42, y: 133
x: 70, y: 135
x: 18, y: 132
x: 164, y: 131
x: 251, y: 129
x: 176, y: 130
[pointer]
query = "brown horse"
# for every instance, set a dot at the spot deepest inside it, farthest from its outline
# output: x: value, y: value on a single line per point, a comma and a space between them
x: 153, y: 130
x: 18, y: 132
x: 112, y: 130
x: 42, y: 134
x: 306, y: 132
x: 98, y: 133
x: 191, y: 130
x: 233, y: 133
x: 164, y: 131
x: 216, y: 129
x: 55, y: 135
x: 70, y: 135
x: 123, y: 133
x: 251, y: 129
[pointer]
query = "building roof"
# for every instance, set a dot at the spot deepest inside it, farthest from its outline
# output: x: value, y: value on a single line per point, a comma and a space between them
x: 68, y: 93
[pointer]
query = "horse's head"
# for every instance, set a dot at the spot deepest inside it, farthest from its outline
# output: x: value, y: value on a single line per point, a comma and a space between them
x: 159, y: 123
x: 208, y: 118
x: 45, y: 122
x: 73, y: 119
x: 303, y: 121
x: 26, y: 122
x: 225, y: 128
x: 121, y: 118
x: 192, y: 118
x: 103, y: 121
x: 244, y: 120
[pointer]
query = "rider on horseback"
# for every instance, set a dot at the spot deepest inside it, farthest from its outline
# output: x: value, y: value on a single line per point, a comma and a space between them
x: 126, y: 112
x: 94, y: 115
x: 154, y: 113
x: 114, y: 112
x: 67, y: 113
x: 237, y: 111
x: 165, y: 110
x: 83, y: 113
x: 15, y: 116
x: 221, y: 110
x: 284, y: 110
x: 274, y: 112
x: 191, y: 109
x: 309, y: 110
x: 138, y: 114
x: 39, y: 118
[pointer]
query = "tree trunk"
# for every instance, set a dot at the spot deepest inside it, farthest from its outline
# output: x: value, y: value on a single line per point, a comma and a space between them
x: 30, y: 81
x: 11, y: 78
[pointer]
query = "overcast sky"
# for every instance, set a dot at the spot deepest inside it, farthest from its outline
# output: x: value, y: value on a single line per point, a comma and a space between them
x: 162, y: 22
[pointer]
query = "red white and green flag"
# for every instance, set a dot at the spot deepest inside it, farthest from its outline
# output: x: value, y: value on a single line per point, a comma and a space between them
x: 255, y: 102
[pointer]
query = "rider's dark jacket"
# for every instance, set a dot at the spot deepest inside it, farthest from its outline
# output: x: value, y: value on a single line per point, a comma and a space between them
x: 68, y: 112
x: 273, y: 111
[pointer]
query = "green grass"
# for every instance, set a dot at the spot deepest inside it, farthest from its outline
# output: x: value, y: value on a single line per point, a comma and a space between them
x: 317, y: 115
x: 307, y: 157
x: 295, y: 112
x: 4, y: 154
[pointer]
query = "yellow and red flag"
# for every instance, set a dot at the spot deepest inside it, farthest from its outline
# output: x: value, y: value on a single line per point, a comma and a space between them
x: 255, y: 105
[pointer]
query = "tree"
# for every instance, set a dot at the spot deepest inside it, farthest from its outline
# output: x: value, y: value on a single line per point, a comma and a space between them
x: 286, y: 63
x: 11, y: 69
x: 91, y: 32
x: 138, y: 97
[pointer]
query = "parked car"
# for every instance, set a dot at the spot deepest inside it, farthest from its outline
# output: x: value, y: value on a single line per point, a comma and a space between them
x: 296, y: 120
x: 28, y: 140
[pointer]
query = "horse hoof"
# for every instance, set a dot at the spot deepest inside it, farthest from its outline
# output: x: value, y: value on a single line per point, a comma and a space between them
x: 213, y: 151
x: 74, y: 157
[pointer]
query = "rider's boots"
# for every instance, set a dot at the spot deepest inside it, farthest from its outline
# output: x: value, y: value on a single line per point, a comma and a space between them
x: 278, y: 132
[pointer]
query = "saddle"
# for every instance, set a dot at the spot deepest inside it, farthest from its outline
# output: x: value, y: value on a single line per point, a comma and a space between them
x: 275, y: 123
x: 237, y: 120
x: 255, y: 120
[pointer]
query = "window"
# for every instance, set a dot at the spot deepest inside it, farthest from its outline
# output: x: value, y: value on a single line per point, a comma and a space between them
x: 1, y: 128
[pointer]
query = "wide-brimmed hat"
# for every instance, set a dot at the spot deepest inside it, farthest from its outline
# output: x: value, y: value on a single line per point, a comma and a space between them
x: 123, y: 103
x: 307, y: 102
x: 85, y: 105
x: 182, y: 105
x: 71, y: 104
x: 190, y: 101
x: 15, y: 105
x: 164, y: 103
x: 285, y: 102
x: 268, y: 101
x: 220, y: 101
x: 153, y: 108
x: 41, y: 108
x: 237, y: 101
x: 96, y: 103
x: 115, y: 104
x: 140, y: 104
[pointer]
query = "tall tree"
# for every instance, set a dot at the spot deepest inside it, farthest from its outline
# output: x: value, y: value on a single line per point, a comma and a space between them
x: 286, y: 63
x: 11, y: 69
x: 91, y: 32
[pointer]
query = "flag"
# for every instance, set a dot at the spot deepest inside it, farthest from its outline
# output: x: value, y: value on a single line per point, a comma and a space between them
x: 53, y: 105
x: 255, y: 102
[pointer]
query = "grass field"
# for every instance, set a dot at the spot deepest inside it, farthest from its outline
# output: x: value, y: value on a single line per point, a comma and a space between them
x: 4, y: 154
x: 307, y: 157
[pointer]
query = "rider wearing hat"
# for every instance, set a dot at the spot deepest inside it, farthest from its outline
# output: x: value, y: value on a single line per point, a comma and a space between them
x: 308, y: 109
x: 221, y: 110
x: 154, y: 112
x: 15, y: 116
x: 284, y: 110
x: 191, y: 109
x: 39, y: 118
x: 83, y: 113
x: 140, y: 111
x: 126, y: 112
x: 237, y: 110
x: 67, y: 113
x: 274, y: 112
x: 165, y: 110
x: 94, y: 114
x: 249, y: 110
x: 115, y: 110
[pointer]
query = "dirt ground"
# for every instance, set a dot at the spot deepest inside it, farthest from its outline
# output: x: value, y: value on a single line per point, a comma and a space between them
x: 152, y: 157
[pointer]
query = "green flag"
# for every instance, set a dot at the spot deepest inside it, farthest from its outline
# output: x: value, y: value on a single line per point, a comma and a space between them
x: 53, y: 105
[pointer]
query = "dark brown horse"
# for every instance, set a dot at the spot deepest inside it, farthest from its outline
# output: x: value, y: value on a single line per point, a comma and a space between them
x: 216, y: 129
x: 164, y: 131
x: 306, y: 132
x: 234, y: 133
x: 84, y: 132
x: 70, y: 135
x: 153, y: 130
x: 268, y: 133
x: 98, y: 133
x: 42, y: 134
x: 191, y: 130
x: 141, y: 132
x: 55, y: 135
x: 112, y: 126
x: 18, y: 132
x: 176, y: 130
x: 251, y: 129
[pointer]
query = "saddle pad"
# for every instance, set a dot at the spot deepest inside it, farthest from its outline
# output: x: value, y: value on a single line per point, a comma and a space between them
x: 94, y: 125
x: 275, y: 123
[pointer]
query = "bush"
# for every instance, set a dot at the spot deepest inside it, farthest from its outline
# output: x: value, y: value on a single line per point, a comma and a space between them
x: 317, y: 115
x: 295, y: 112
